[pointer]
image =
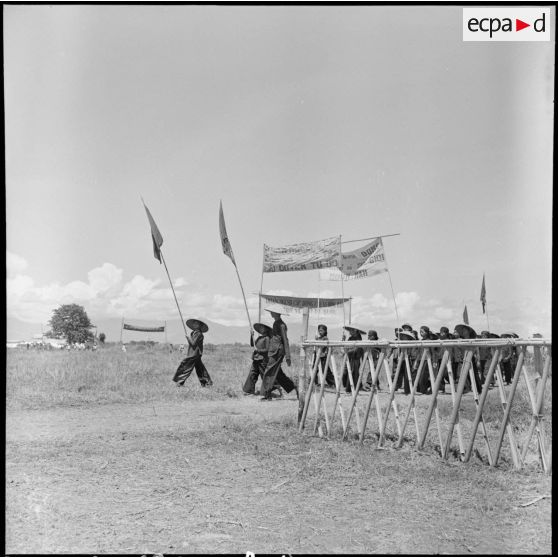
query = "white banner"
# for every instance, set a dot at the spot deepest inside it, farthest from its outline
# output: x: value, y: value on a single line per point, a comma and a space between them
x: 301, y: 257
x: 358, y: 264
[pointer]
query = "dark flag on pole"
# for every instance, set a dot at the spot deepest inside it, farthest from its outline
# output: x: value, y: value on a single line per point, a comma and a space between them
x: 483, y: 295
x: 465, y: 316
x: 227, y: 249
x: 155, y: 235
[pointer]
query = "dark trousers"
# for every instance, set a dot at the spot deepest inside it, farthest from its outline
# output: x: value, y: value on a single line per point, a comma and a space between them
x: 185, y: 369
x: 507, y: 370
x: 402, y: 379
x: 329, y: 379
x: 354, y: 363
x: 256, y: 371
x: 274, y: 375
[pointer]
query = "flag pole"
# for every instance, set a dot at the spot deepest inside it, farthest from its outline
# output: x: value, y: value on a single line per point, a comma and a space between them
x: 261, y: 288
x: 371, y: 238
x: 174, y: 294
x: 391, y: 284
x: 244, y: 297
x: 342, y: 281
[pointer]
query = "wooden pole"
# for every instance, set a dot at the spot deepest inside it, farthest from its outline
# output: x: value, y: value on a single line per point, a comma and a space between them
x: 506, y: 418
x: 244, y: 298
x: 433, y: 401
x: 370, y: 238
x: 372, y: 394
x: 481, y: 403
x: 261, y: 287
x: 391, y: 400
x: 537, y: 418
x: 460, y: 387
x: 175, y: 299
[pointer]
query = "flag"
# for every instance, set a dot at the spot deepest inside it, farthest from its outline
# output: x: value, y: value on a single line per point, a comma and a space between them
x: 363, y: 262
x: 465, y: 316
x: 483, y: 295
x: 155, y: 235
x: 227, y: 249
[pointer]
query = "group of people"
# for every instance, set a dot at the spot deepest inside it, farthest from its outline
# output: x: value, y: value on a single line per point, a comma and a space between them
x: 411, y: 358
x: 271, y: 348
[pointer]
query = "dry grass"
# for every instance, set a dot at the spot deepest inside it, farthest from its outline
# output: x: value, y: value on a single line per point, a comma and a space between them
x: 40, y: 379
x: 93, y: 469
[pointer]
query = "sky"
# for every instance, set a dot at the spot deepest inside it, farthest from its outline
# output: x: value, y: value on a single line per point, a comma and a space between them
x: 306, y: 122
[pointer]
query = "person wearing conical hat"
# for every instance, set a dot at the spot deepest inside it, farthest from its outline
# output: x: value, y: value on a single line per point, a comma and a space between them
x: 508, y: 359
x: 321, y: 353
x: 354, y: 358
x: 404, y: 334
x: 259, y: 358
x: 278, y: 350
x: 193, y: 360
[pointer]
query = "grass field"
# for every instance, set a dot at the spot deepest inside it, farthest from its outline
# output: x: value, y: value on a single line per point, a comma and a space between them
x: 105, y: 455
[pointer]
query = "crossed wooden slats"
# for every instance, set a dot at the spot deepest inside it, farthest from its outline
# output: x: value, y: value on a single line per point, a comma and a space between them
x: 337, y: 365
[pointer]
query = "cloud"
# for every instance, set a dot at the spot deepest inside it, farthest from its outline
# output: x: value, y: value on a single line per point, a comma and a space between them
x: 15, y: 265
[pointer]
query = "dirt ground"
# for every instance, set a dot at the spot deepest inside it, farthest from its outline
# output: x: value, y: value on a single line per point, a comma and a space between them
x: 203, y: 477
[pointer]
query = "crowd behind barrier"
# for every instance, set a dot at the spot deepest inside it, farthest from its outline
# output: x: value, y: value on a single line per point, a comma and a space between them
x: 488, y: 368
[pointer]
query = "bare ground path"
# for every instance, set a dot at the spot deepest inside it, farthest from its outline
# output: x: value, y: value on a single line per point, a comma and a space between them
x: 233, y: 475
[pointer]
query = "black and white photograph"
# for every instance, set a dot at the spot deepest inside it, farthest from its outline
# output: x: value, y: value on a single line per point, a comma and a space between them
x: 278, y: 278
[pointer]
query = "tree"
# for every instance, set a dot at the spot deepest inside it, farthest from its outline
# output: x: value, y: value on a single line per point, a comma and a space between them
x: 102, y: 338
x: 70, y: 321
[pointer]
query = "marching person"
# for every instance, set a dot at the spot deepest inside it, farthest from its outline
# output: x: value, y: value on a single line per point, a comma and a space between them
x: 508, y: 358
x: 424, y: 385
x: 464, y: 331
x: 321, y: 353
x: 354, y: 358
x: 259, y: 358
x: 193, y: 357
x: 367, y: 381
x: 484, y: 355
x: 404, y: 335
x: 278, y: 350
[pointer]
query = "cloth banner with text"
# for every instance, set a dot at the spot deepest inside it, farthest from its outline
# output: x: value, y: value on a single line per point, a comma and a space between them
x: 296, y: 304
x: 367, y: 261
x: 132, y: 327
x: 304, y: 256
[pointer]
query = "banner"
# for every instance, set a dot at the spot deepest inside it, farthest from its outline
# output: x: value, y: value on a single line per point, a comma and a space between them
x: 322, y: 306
x: 483, y: 295
x: 302, y: 257
x: 156, y: 236
x: 227, y: 248
x: 142, y: 328
x: 367, y: 261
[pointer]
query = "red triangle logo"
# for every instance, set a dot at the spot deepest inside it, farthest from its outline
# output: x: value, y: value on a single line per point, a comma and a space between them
x: 519, y: 25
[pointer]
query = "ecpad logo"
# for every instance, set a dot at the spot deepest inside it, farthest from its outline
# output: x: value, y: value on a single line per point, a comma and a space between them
x: 506, y: 24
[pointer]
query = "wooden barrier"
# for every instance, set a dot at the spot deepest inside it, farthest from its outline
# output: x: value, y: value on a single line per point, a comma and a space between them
x: 484, y: 418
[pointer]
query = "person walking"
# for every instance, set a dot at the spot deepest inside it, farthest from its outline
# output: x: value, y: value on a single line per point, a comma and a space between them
x: 278, y: 350
x: 193, y: 360
x: 354, y: 358
x: 321, y: 353
x: 259, y: 358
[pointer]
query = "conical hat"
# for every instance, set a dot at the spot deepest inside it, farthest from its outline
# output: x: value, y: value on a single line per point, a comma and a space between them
x: 406, y: 336
x: 276, y: 309
x: 262, y: 329
x: 192, y: 322
x: 465, y: 331
x: 354, y: 327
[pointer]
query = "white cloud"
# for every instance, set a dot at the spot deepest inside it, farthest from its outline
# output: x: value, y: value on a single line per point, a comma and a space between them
x: 15, y: 265
x: 105, y: 278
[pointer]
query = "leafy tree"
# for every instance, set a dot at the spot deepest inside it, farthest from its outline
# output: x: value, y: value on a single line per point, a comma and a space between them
x: 102, y: 338
x: 70, y: 321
